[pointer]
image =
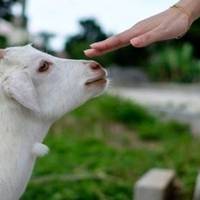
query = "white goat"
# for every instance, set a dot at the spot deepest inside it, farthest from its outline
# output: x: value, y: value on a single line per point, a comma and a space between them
x: 36, y: 89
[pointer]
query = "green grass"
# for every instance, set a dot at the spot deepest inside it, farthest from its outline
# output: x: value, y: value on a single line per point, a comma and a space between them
x: 102, y: 148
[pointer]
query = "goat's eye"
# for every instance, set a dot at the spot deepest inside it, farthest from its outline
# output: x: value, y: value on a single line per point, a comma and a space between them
x: 44, y: 66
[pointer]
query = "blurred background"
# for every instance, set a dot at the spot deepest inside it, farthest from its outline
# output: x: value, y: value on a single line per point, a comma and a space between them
x: 149, y: 118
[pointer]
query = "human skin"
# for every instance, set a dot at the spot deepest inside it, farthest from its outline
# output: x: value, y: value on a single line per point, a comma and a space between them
x: 170, y: 24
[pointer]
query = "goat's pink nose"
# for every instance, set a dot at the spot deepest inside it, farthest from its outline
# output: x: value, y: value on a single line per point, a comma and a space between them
x: 95, y: 66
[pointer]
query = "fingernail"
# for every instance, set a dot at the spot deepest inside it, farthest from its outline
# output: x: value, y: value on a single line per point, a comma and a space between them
x: 135, y: 41
x: 93, y: 45
x: 87, y: 52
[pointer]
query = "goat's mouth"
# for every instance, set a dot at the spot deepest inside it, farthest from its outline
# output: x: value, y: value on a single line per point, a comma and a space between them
x: 101, y: 80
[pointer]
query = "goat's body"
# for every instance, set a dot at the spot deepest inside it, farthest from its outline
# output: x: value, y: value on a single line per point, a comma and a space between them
x: 18, y: 135
x: 35, y: 90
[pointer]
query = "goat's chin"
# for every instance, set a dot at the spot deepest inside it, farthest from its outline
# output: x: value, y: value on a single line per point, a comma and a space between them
x: 98, y: 90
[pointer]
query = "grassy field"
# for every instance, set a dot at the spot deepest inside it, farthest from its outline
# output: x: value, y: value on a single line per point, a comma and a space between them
x: 101, y: 149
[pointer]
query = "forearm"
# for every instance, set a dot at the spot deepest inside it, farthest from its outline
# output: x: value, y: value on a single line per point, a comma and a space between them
x: 192, y: 7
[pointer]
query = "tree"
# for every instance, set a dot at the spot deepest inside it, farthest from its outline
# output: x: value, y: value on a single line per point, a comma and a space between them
x: 46, y: 38
x: 5, y: 8
x: 193, y: 37
x: 90, y: 32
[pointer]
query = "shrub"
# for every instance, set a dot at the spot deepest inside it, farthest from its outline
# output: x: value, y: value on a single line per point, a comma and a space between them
x: 162, y: 130
x: 3, y: 41
x: 175, y: 64
x: 90, y: 161
x: 127, y: 112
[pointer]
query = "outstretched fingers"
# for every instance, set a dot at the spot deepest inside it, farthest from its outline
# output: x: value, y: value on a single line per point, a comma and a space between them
x: 121, y: 40
x: 105, y: 46
x: 112, y: 43
x: 115, y: 42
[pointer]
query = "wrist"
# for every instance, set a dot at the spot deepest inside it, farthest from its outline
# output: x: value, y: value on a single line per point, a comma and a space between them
x: 192, y: 7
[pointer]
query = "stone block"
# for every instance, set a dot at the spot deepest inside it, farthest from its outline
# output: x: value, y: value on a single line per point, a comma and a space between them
x: 156, y: 184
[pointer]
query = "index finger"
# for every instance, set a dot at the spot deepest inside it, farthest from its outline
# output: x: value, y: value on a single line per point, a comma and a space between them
x: 96, y: 52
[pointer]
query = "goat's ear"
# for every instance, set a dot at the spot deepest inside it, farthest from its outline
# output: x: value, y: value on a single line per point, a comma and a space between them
x: 19, y: 86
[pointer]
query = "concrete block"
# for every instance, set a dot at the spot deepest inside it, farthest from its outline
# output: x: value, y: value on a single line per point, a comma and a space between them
x: 197, y: 189
x: 156, y: 184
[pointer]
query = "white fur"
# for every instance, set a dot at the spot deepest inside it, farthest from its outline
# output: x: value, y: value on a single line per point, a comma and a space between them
x: 29, y: 103
x: 40, y: 149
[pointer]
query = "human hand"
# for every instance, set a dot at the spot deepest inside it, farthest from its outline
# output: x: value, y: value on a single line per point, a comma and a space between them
x: 169, y: 24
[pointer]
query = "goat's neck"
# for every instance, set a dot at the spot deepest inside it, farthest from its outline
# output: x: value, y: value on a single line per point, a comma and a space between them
x: 19, y: 131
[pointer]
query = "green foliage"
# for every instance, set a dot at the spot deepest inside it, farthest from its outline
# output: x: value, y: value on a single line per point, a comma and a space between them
x: 161, y: 130
x: 122, y: 111
x: 174, y: 61
x: 100, y: 150
x: 130, y: 56
x: 3, y: 41
x: 175, y: 64
x: 192, y: 37
x: 133, y: 116
x: 90, y: 32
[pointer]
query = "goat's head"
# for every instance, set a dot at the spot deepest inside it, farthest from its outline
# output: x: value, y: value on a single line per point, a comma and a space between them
x: 47, y: 85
